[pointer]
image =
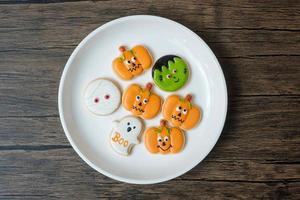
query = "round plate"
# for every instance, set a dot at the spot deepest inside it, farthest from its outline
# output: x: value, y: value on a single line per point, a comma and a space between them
x: 89, y: 133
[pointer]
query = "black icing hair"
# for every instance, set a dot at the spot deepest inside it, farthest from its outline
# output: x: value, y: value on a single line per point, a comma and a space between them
x: 163, y: 61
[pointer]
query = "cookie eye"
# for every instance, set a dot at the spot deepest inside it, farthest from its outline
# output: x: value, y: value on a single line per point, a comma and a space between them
x: 127, y: 62
x: 128, y: 123
x: 168, y: 76
x: 174, y: 71
x: 160, y: 77
x: 133, y: 127
x: 184, y: 111
x: 96, y: 100
x: 185, y: 70
x: 133, y: 59
x: 138, y: 97
x: 178, y: 108
x: 159, y: 139
x: 106, y: 96
x: 145, y: 101
x: 166, y: 139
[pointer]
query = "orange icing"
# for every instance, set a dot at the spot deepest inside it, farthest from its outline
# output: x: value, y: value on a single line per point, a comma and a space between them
x: 141, y: 101
x: 181, y: 112
x: 132, y: 62
x: 164, y: 139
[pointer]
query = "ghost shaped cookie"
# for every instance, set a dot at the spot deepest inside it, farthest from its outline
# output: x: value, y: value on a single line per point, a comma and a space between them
x: 125, y: 134
x: 102, y: 96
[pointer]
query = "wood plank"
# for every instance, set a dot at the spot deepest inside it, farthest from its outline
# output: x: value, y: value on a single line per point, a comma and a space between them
x: 210, y: 14
x: 61, y: 174
x: 225, y: 42
x: 258, y: 128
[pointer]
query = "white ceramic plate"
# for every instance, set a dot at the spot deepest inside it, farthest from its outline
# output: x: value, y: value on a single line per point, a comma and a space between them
x: 89, y: 133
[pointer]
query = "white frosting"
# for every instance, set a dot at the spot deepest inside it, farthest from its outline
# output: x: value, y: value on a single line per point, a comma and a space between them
x: 125, y: 134
x: 102, y: 96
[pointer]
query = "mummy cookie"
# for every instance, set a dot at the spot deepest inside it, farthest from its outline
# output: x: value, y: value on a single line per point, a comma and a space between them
x: 164, y: 139
x: 102, y: 96
x: 180, y: 112
x: 170, y: 73
x: 125, y: 134
x: 141, y: 101
x: 132, y: 62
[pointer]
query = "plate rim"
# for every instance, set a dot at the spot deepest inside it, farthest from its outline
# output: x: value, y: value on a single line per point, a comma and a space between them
x: 61, y: 113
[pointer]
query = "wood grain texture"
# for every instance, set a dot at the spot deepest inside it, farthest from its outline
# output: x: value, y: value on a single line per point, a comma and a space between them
x: 257, y: 44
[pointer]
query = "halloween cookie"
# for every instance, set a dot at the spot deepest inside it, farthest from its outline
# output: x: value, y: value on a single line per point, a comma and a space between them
x: 180, y: 112
x: 164, y: 139
x: 102, y: 96
x: 125, y: 134
x: 170, y: 73
x: 141, y: 101
x: 132, y: 62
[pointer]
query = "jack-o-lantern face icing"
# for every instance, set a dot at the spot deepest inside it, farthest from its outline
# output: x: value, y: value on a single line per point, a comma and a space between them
x: 141, y: 101
x: 170, y: 73
x: 164, y: 139
x: 132, y: 62
x: 102, y: 96
x: 180, y: 112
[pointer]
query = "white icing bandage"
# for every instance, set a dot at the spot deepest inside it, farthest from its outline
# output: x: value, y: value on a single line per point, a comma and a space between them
x: 102, y: 96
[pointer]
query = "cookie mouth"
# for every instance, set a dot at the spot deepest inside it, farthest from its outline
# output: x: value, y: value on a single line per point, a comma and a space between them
x: 164, y: 149
x: 138, y: 109
x: 134, y: 68
x: 176, y: 81
x: 177, y: 118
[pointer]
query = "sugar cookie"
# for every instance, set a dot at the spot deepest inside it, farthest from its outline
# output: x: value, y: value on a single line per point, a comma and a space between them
x: 132, y: 62
x: 164, y: 139
x: 102, y: 96
x: 125, y: 134
x: 141, y: 101
x: 170, y: 73
x: 181, y: 112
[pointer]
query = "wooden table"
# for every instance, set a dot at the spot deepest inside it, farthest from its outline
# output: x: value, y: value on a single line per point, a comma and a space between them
x: 258, y: 46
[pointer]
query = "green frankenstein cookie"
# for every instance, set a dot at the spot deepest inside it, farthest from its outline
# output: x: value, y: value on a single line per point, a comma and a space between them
x: 170, y: 73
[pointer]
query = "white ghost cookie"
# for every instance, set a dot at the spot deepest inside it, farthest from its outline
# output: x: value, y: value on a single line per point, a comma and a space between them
x: 125, y: 134
x: 102, y: 96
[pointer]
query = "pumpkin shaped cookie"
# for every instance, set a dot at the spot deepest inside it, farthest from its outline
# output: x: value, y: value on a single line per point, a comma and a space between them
x: 132, y: 62
x: 181, y: 112
x: 164, y: 139
x: 141, y: 101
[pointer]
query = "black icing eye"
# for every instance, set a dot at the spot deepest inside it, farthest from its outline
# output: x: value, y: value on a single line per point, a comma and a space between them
x: 145, y: 101
x: 174, y: 71
x: 133, y: 127
x: 138, y: 97
x: 133, y: 59
x: 128, y: 123
x: 185, y: 70
x: 178, y: 108
x: 160, y: 77
x: 168, y: 76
